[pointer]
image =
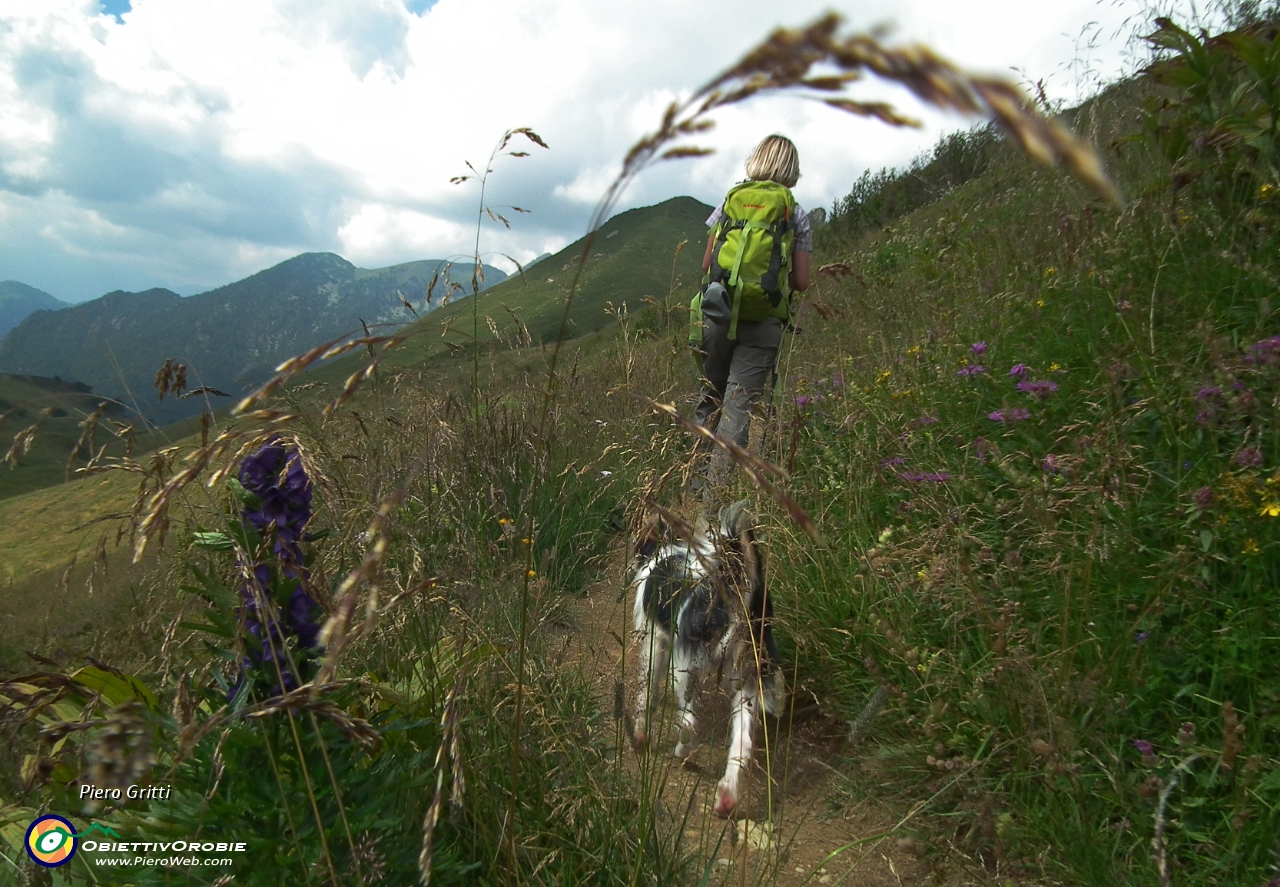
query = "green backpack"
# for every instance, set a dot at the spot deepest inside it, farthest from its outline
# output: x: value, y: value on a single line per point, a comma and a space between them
x: 752, y: 252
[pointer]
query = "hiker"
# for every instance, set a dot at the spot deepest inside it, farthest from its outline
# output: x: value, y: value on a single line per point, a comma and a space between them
x: 757, y: 256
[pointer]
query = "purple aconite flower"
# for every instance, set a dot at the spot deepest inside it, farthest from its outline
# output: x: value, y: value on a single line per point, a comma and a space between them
x: 1050, y: 464
x: 1249, y: 457
x: 1139, y: 638
x: 803, y: 401
x: 1208, y: 392
x: 275, y: 475
x: 978, y: 347
x: 1018, y: 370
x: 890, y: 463
x: 973, y: 369
x: 1204, y: 497
x: 1038, y: 388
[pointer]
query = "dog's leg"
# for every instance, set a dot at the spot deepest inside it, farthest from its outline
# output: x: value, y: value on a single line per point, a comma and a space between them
x: 742, y: 725
x: 686, y: 669
x: 655, y: 649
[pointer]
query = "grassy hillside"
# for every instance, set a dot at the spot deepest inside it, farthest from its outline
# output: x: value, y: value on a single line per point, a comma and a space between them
x: 634, y: 257
x: 1042, y: 439
x: 23, y: 403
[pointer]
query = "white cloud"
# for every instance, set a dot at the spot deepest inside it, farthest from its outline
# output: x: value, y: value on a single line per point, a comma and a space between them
x: 377, y: 234
x: 217, y: 134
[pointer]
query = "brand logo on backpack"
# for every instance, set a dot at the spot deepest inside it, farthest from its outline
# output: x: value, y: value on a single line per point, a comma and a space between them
x: 752, y: 251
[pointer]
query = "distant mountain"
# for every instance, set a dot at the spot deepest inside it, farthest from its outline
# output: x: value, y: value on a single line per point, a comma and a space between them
x: 230, y: 338
x: 17, y: 300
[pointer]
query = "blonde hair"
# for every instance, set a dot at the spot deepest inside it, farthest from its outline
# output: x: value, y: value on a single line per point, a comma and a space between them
x: 775, y: 159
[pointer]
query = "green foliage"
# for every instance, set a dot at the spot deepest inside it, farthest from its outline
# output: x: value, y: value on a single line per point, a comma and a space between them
x: 1220, y: 121
x: 882, y: 198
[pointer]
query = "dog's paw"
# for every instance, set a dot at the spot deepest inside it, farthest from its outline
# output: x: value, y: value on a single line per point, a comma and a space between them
x: 726, y: 802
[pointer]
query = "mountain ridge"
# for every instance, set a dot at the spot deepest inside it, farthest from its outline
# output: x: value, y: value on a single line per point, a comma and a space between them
x: 230, y: 337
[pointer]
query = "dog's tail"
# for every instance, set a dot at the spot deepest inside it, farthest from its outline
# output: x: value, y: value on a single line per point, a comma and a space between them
x: 773, y: 679
x: 774, y: 684
x: 738, y: 523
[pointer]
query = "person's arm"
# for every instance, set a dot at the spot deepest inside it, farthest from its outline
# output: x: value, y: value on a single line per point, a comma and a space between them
x: 799, y: 271
x: 706, y: 258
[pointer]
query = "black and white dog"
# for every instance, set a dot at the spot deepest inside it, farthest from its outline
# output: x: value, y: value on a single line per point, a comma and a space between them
x: 701, y: 605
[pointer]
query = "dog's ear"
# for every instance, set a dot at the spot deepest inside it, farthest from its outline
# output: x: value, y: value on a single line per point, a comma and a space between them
x: 647, y: 538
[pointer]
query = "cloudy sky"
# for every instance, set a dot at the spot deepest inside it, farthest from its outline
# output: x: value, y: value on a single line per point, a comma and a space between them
x: 188, y: 144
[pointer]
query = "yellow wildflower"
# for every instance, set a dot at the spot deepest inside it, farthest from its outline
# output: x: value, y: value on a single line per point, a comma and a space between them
x: 1050, y: 272
x: 1250, y: 547
x: 503, y: 521
x: 1266, y: 190
x: 1039, y: 303
x: 1270, y: 509
x: 1053, y: 367
x: 533, y: 573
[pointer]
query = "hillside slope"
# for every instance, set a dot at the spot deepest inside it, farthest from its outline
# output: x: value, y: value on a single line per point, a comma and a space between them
x: 637, y: 264
x: 634, y: 256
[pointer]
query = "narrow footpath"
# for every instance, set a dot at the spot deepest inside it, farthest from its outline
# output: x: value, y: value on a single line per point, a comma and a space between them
x: 793, y: 827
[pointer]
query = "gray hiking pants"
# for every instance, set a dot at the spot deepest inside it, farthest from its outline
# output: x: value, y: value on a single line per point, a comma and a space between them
x: 735, y: 375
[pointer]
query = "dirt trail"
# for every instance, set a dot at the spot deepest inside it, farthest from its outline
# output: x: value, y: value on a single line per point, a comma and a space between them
x: 796, y: 847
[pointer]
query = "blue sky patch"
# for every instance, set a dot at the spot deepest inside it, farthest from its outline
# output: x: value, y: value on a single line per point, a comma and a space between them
x: 118, y: 8
x: 417, y: 7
